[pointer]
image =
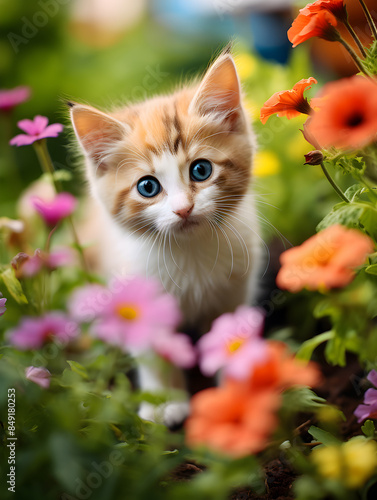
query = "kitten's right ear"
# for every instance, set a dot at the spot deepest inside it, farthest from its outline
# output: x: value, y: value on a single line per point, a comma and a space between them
x: 219, y: 93
x: 97, y: 133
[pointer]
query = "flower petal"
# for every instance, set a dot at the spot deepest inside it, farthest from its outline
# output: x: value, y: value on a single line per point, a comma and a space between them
x: 40, y: 123
x: 51, y: 131
x: 22, y: 140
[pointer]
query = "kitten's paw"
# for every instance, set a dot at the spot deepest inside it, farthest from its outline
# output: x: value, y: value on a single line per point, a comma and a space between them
x: 148, y: 412
x: 171, y: 414
x: 175, y: 413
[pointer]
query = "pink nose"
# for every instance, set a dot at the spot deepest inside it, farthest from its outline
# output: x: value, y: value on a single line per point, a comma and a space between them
x: 184, y: 212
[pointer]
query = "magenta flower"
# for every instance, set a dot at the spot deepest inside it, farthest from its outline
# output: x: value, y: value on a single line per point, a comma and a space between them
x: 53, y: 211
x: 11, y: 98
x: 176, y: 348
x: 128, y: 314
x: 33, y: 333
x: 369, y: 408
x: 2, y: 304
x: 38, y: 375
x: 36, y: 130
x: 234, y: 343
x: 27, y: 266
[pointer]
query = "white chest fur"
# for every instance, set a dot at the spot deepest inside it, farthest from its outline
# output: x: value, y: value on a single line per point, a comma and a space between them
x: 210, y: 270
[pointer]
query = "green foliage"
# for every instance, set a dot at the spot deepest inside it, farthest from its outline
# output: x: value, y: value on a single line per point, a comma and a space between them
x: 13, y: 286
x: 368, y: 429
x: 322, y: 436
x: 83, y: 438
x: 301, y: 399
x: 370, y: 63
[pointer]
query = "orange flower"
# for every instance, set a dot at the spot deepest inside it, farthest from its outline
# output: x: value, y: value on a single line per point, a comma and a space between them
x: 326, y: 260
x: 336, y: 7
x: 346, y: 117
x: 231, y: 421
x: 307, y: 25
x: 239, y: 418
x: 282, y: 371
x: 288, y: 103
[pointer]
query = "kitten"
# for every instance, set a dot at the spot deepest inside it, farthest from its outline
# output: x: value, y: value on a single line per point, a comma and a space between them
x: 170, y: 178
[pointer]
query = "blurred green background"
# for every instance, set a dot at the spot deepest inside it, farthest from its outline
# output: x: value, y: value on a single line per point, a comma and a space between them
x: 108, y: 52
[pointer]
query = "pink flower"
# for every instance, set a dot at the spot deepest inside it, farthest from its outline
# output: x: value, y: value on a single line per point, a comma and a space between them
x: 176, y: 348
x: 369, y: 408
x: 26, y: 266
x: 53, y: 211
x: 234, y: 343
x: 129, y: 313
x: 11, y: 98
x: 2, y: 304
x: 36, y: 130
x: 33, y: 333
x: 40, y: 376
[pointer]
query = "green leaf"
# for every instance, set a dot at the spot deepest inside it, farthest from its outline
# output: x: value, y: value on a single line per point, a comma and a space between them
x: 301, y: 399
x: 353, y: 191
x: 372, y: 269
x: 14, y: 286
x: 79, y: 369
x: 351, y: 165
x: 308, y: 488
x: 368, y: 219
x: 347, y: 214
x: 323, y: 436
x: 306, y: 350
x: 63, y: 175
x: 60, y: 175
x: 335, y: 351
x: 324, y: 308
x: 66, y: 465
x: 368, y: 428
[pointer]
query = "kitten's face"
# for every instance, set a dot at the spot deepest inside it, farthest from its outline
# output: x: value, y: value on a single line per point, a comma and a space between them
x: 174, y: 164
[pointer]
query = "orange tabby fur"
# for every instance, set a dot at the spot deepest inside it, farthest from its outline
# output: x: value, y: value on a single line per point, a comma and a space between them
x: 200, y: 239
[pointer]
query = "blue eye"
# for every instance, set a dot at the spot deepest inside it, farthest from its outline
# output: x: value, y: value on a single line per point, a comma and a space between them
x: 200, y: 170
x: 148, y: 187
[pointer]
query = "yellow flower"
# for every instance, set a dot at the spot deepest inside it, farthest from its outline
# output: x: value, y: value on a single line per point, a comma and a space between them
x: 266, y: 163
x: 246, y: 65
x: 352, y: 463
x: 361, y: 461
x: 252, y: 108
x: 328, y: 460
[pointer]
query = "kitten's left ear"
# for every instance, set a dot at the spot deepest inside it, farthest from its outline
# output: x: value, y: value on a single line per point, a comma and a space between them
x: 219, y: 93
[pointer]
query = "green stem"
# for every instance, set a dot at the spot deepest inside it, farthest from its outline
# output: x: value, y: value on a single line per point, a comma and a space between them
x: 48, y: 242
x: 331, y: 181
x: 48, y: 167
x: 46, y: 162
x: 79, y: 248
x: 372, y: 26
x: 355, y: 38
x: 354, y: 56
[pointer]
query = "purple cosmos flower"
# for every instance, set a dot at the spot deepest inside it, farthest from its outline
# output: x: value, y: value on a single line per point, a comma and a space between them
x: 369, y: 408
x: 27, y: 266
x: 38, y: 375
x: 53, y: 211
x: 128, y: 314
x: 2, y: 304
x: 35, y: 130
x: 234, y: 343
x: 11, y: 98
x: 33, y: 333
